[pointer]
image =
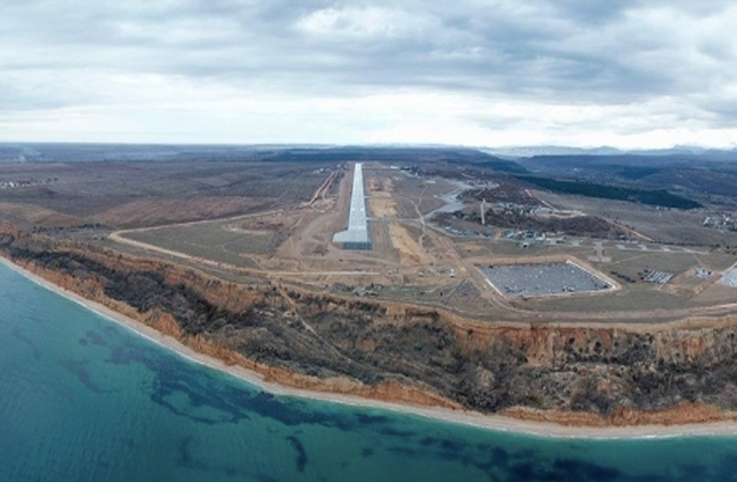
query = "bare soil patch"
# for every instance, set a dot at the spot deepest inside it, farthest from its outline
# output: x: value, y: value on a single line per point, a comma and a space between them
x: 410, y: 252
x: 382, y: 207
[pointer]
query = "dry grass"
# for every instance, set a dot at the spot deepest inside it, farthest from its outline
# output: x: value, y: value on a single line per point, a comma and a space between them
x: 410, y: 252
x: 382, y: 207
x: 31, y: 214
x: 152, y: 212
x: 216, y: 241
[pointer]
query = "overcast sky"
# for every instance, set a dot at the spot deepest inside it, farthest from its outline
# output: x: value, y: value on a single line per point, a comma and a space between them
x: 484, y: 73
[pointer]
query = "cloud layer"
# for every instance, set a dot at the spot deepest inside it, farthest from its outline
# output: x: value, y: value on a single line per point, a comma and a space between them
x: 585, y: 73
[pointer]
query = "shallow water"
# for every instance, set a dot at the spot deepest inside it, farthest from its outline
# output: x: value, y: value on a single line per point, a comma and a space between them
x: 85, y: 399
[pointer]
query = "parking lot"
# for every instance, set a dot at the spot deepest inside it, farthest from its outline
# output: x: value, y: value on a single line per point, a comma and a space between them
x: 541, y: 279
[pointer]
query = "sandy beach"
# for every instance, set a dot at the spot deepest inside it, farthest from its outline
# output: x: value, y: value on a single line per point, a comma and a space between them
x: 475, y: 419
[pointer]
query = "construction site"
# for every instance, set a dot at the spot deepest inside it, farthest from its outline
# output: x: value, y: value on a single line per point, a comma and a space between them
x: 374, y: 229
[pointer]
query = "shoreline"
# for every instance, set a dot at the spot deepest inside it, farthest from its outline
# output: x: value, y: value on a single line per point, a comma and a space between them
x: 496, y: 423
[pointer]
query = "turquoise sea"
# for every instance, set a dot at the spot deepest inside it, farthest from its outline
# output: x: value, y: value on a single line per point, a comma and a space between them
x: 84, y: 399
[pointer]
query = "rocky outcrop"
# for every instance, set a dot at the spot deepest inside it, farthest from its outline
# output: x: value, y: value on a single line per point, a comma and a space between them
x: 596, y: 375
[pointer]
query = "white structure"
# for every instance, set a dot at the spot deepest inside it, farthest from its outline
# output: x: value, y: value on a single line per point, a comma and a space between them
x: 356, y: 236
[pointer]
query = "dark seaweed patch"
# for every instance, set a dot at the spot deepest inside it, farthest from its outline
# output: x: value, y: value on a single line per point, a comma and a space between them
x: 301, y: 454
x: 95, y: 338
x: 403, y: 451
x: 499, y: 457
x: 186, y: 459
x: 368, y: 419
x: 16, y: 333
x: 171, y: 374
x: 393, y: 432
x: 727, y: 470
x: 524, y: 471
x: 78, y: 369
x: 578, y: 470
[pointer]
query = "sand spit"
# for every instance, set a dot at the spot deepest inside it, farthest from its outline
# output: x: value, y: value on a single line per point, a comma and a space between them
x: 475, y: 419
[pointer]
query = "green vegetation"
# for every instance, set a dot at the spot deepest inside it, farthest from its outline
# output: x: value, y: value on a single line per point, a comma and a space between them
x: 659, y: 197
x: 636, y: 172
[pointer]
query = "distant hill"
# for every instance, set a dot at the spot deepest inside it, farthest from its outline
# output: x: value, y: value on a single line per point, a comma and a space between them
x: 660, y: 197
x: 141, y: 152
x: 691, y: 152
x: 456, y: 156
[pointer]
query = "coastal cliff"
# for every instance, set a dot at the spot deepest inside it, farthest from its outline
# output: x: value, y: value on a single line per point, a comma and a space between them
x: 571, y: 374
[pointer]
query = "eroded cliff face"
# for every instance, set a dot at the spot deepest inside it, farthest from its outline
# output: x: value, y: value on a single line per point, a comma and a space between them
x: 669, y: 373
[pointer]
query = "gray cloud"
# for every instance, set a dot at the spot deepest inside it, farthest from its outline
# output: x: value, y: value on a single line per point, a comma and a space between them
x: 559, y: 52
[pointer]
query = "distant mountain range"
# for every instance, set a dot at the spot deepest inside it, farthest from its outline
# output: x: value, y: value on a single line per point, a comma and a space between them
x: 533, y: 151
x: 496, y: 158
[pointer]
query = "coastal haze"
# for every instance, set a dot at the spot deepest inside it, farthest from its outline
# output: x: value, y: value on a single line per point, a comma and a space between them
x: 316, y: 241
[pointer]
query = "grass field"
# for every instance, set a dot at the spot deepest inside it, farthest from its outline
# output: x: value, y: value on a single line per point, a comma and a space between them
x: 643, y: 298
x: 142, y: 194
x: 208, y: 240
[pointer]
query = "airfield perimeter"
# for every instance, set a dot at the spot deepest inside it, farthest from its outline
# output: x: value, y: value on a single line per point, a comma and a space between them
x: 415, y: 258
